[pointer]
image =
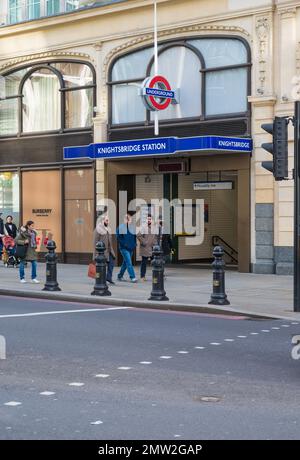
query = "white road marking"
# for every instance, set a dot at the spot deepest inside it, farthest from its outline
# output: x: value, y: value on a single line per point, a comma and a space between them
x: 12, y: 403
x: 228, y: 340
x: 253, y: 333
x: 265, y: 330
x: 62, y: 312
x: 183, y: 352
x: 76, y: 384
x: 124, y: 368
x: 98, y: 422
x: 215, y: 343
x: 295, y: 323
x: 102, y: 376
x: 242, y: 336
x: 165, y: 357
x: 276, y: 328
x: 200, y: 348
x: 285, y: 325
x: 47, y: 393
x: 145, y: 362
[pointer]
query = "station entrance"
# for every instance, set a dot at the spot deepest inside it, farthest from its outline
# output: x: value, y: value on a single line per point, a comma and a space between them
x: 223, y: 183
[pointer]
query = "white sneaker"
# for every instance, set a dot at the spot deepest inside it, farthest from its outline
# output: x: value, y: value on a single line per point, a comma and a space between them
x: 133, y: 280
x: 23, y: 281
x: 35, y: 281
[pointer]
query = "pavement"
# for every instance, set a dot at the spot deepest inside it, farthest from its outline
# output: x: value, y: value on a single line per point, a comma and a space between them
x: 188, y: 288
x: 102, y: 372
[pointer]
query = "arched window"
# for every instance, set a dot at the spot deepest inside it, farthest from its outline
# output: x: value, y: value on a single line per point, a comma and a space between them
x: 41, y: 109
x: 212, y: 75
x: 53, y: 96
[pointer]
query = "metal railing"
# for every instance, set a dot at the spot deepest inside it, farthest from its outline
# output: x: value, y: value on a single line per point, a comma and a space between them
x: 228, y: 250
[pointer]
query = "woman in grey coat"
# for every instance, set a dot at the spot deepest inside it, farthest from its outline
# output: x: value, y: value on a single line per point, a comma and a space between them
x: 103, y: 233
x: 27, y: 237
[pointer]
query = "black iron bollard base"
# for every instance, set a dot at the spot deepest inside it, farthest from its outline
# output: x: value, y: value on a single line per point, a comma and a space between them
x: 159, y: 298
x: 51, y: 288
x: 101, y: 292
x: 219, y: 301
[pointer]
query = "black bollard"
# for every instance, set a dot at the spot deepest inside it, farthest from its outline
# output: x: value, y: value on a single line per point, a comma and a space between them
x: 158, y: 264
x: 218, y: 296
x: 100, y: 287
x: 51, y: 270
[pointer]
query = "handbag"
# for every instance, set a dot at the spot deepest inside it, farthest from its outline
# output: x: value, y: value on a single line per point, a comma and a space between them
x: 92, y: 270
x: 21, y: 251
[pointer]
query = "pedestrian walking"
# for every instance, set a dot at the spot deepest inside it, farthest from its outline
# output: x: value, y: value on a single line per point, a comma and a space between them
x: 27, y: 237
x: 103, y: 233
x: 127, y: 243
x: 10, y: 229
x: 147, y: 237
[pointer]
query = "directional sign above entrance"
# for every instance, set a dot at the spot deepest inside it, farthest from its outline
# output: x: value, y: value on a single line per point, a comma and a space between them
x: 158, y: 146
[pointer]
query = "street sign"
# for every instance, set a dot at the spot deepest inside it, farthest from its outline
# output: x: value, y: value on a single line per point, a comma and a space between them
x: 220, y: 185
x: 158, y: 146
x: 157, y: 93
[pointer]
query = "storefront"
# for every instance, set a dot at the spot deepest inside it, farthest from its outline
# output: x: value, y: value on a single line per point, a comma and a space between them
x: 211, y: 75
x: 47, y: 106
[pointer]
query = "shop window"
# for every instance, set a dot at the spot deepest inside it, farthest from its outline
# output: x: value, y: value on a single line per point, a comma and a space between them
x: 14, y: 11
x: 9, y: 195
x: 33, y: 9
x: 221, y: 52
x: 212, y: 75
x: 8, y: 118
x: 127, y: 106
x: 53, y: 7
x: 54, y: 96
x: 41, y: 102
x: 187, y: 64
x: 226, y: 91
x: 79, y: 108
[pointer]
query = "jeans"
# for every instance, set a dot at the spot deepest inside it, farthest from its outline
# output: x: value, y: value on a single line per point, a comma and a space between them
x: 110, y: 267
x: 127, y: 264
x: 144, y: 266
x: 33, y: 269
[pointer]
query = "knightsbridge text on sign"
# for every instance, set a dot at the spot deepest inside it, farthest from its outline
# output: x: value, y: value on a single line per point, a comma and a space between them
x: 158, y: 146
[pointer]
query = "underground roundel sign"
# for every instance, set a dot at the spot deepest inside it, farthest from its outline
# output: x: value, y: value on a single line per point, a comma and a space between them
x: 157, y: 93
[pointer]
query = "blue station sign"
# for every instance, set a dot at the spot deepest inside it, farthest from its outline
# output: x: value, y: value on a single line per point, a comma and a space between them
x: 158, y: 146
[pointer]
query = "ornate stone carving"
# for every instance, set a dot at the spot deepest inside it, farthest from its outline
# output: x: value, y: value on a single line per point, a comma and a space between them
x: 42, y: 57
x: 262, y: 28
x: 287, y: 13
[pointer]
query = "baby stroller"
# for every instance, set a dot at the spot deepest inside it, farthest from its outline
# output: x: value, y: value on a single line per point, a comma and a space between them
x: 8, y: 256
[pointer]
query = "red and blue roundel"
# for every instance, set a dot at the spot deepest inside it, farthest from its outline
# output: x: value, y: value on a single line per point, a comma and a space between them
x: 157, y: 93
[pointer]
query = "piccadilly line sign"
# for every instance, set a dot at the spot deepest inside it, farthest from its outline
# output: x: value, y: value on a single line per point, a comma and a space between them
x: 158, y: 146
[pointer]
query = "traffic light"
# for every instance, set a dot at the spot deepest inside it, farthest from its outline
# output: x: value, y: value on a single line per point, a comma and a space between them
x: 278, y: 148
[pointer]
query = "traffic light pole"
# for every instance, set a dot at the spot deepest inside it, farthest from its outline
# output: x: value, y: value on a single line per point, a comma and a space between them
x: 297, y: 209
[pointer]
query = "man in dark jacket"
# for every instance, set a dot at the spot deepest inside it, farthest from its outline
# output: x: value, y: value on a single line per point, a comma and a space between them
x: 127, y: 243
x: 10, y: 227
